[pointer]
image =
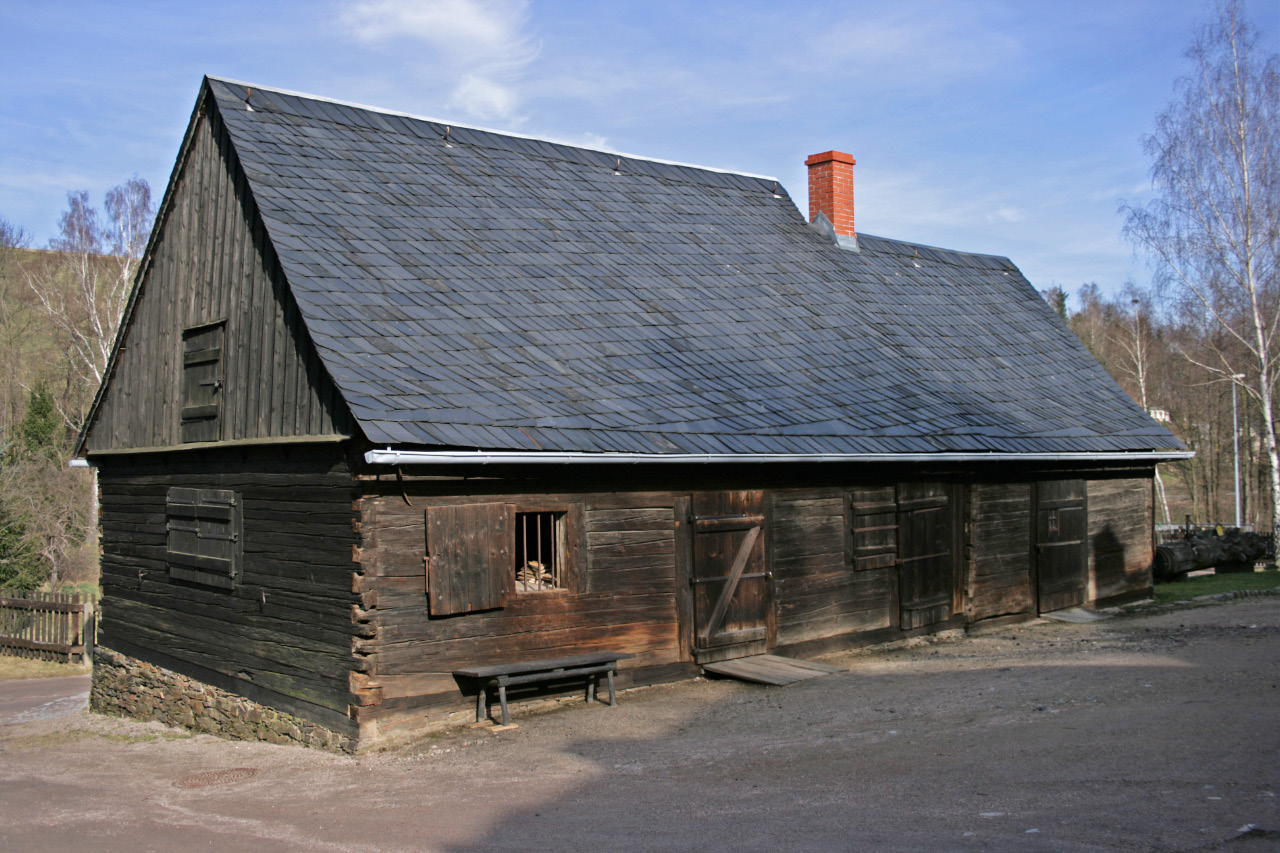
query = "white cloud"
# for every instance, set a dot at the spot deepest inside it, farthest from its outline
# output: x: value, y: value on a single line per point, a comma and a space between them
x: 1005, y: 213
x: 594, y: 140
x: 483, y: 98
x: 480, y: 47
x: 909, y: 48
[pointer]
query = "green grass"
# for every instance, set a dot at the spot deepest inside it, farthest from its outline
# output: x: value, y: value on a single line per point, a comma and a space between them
x: 1183, y: 590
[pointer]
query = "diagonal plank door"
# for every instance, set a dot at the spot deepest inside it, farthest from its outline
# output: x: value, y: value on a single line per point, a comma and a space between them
x: 731, y: 591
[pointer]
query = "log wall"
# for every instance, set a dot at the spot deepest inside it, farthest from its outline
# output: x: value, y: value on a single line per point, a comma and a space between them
x: 818, y: 594
x: 330, y: 618
x: 622, y: 596
x: 1121, y: 518
x: 283, y: 634
x: 999, y: 550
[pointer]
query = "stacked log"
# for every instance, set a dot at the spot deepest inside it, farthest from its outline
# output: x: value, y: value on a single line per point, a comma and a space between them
x: 1231, y: 551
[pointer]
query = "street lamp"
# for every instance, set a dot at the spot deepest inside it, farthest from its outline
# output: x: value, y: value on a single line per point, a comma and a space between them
x: 1235, y: 435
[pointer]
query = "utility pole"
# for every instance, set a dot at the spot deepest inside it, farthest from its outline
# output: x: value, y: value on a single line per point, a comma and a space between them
x: 1235, y: 435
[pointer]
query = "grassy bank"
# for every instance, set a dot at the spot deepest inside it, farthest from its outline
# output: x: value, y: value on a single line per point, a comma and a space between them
x: 12, y: 668
x: 1182, y: 590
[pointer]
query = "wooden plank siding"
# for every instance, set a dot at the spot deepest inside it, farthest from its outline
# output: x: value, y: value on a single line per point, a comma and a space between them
x: 211, y: 262
x: 621, y: 597
x: 1121, y: 517
x: 283, y: 633
x: 818, y: 594
x: 999, y: 550
x: 331, y: 618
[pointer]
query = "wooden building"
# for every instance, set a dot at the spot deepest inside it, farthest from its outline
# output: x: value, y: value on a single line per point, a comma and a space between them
x: 393, y: 398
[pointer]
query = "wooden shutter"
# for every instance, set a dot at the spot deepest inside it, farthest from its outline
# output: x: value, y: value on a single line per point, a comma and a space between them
x: 201, y: 382
x: 875, y: 528
x: 469, y: 561
x: 203, y: 536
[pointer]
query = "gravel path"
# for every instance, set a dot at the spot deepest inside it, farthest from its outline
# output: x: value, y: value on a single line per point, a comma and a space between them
x: 1158, y: 732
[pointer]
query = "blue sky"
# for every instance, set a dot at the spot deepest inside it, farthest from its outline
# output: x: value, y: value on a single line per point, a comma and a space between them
x: 1004, y: 127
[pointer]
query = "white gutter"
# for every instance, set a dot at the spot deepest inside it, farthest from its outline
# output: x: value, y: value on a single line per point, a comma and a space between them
x: 505, y: 457
x: 77, y: 462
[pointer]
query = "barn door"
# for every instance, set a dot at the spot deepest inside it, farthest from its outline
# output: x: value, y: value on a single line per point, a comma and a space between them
x: 731, y: 589
x: 1061, y: 529
x: 926, y: 554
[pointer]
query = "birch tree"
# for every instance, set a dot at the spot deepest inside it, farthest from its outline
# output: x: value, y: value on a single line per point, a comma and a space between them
x: 1136, y: 342
x: 18, y: 318
x: 1213, y: 227
x: 84, y: 291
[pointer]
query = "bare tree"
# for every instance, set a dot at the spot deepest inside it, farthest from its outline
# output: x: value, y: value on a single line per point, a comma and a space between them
x: 1215, y: 224
x: 17, y: 319
x: 85, y: 290
x: 1136, y: 343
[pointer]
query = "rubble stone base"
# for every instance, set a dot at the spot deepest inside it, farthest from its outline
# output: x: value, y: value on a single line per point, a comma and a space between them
x: 125, y: 686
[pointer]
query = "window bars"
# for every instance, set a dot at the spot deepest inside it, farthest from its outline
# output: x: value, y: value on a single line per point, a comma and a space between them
x: 539, y: 551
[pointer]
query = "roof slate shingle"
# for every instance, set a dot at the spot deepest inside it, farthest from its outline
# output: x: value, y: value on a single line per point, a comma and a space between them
x: 502, y: 293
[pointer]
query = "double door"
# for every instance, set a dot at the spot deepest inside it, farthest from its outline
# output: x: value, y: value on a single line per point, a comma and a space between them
x: 910, y: 531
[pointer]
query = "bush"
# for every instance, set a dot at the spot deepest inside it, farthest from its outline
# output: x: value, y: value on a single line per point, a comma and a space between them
x: 20, y: 563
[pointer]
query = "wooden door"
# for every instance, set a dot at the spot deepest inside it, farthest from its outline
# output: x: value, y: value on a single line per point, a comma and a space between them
x: 731, y: 581
x: 1061, y: 532
x: 926, y: 554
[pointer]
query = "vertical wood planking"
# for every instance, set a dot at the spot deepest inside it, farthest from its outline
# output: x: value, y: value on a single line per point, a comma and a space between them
x: 232, y: 361
x: 212, y: 260
x: 279, y: 344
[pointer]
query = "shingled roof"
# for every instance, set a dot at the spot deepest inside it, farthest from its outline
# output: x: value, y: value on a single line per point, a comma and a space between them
x: 474, y: 289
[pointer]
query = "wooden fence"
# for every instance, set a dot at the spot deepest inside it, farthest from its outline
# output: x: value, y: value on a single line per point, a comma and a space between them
x: 46, y: 625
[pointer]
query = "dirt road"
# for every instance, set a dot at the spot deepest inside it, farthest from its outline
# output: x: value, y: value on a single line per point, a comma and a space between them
x: 42, y: 698
x: 1153, y: 733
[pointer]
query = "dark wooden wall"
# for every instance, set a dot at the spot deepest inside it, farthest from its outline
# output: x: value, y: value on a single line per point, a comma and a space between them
x: 213, y: 261
x: 819, y: 595
x: 1120, y: 544
x: 623, y: 597
x: 331, y: 615
x: 283, y: 635
x: 999, y: 550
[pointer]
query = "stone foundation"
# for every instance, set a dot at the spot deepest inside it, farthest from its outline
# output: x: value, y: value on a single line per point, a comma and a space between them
x: 129, y: 687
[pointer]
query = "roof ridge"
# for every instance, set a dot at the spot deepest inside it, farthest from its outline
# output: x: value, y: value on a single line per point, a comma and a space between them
x: 508, y: 133
x: 932, y: 248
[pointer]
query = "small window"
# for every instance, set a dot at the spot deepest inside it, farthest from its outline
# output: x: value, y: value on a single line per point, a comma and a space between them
x: 201, y: 381
x: 478, y: 555
x: 539, y: 551
x: 203, y: 536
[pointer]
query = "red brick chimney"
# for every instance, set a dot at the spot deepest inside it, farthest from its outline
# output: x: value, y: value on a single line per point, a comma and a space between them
x: 831, y: 190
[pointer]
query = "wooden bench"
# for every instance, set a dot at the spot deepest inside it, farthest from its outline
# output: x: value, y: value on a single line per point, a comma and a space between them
x: 504, y: 675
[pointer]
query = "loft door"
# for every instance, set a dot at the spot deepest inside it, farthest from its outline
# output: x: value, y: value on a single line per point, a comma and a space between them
x: 1061, y: 531
x: 731, y: 589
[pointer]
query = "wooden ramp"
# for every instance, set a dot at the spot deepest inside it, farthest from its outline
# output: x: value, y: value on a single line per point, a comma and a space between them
x: 771, y: 669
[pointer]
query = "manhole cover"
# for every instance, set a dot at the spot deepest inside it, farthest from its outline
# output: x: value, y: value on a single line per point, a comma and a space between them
x: 215, y: 777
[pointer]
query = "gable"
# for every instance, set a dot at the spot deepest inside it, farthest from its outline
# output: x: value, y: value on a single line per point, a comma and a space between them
x: 212, y: 347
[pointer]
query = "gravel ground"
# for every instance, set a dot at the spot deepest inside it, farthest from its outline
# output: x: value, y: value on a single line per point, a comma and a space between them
x: 1157, y: 732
